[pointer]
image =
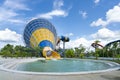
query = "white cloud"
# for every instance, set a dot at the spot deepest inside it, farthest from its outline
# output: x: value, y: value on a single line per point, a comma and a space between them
x: 8, y: 35
x: 57, y: 11
x: 17, y: 4
x: 11, y: 37
x: 99, y: 22
x: 112, y: 15
x: 85, y: 43
x: 57, y: 4
x: 10, y: 16
x: 8, y: 11
x: 77, y: 42
x: 53, y: 13
x: 6, y: 14
x: 69, y: 34
x: 16, y: 21
x: 96, y: 1
x: 104, y: 35
x: 83, y: 13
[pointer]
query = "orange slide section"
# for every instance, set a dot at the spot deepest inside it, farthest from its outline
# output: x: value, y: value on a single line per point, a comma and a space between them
x: 53, y: 55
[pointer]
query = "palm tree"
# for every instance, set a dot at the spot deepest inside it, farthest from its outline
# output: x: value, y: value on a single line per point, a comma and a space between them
x: 96, y: 45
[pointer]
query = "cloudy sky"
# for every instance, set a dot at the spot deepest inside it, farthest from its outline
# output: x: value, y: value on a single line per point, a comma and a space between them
x: 83, y: 21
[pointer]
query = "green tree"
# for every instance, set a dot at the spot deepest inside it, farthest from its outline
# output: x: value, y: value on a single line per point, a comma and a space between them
x: 118, y: 56
x: 79, y: 50
x: 115, y: 44
x: 7, y: 51
x: 20, y: 51
x: 90, y: 53
x: 8, y: 47
x: 82, y: 55
x: 38, y: 51
x: 69, y: 53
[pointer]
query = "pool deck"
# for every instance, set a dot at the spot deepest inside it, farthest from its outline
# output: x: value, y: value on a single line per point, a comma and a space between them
x: 110, y: 75
x: 114, y: 75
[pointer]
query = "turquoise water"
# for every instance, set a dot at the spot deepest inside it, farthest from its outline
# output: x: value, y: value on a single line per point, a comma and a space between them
x: 63, y: 65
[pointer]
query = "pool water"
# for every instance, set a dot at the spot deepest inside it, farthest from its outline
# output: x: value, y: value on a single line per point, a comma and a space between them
x: 63, y: 65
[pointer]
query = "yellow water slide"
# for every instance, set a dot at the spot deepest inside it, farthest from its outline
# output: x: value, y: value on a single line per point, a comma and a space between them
x: 52, y: 55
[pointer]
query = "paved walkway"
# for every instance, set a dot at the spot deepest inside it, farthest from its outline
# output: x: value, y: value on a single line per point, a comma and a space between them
x: 114, y: 75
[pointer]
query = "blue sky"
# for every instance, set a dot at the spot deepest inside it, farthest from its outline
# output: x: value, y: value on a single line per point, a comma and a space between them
x: 84, y: 21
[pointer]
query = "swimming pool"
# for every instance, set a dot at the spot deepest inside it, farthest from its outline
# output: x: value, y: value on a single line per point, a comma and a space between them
x: 66, y: 66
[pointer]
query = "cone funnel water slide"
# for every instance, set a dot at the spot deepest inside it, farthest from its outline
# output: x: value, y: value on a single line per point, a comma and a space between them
x: 40, y: 32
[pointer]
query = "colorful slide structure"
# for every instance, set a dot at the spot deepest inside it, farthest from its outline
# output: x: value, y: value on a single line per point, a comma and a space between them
x: 96, y: 45
x: 41, y: 33
x: 109, y: 44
